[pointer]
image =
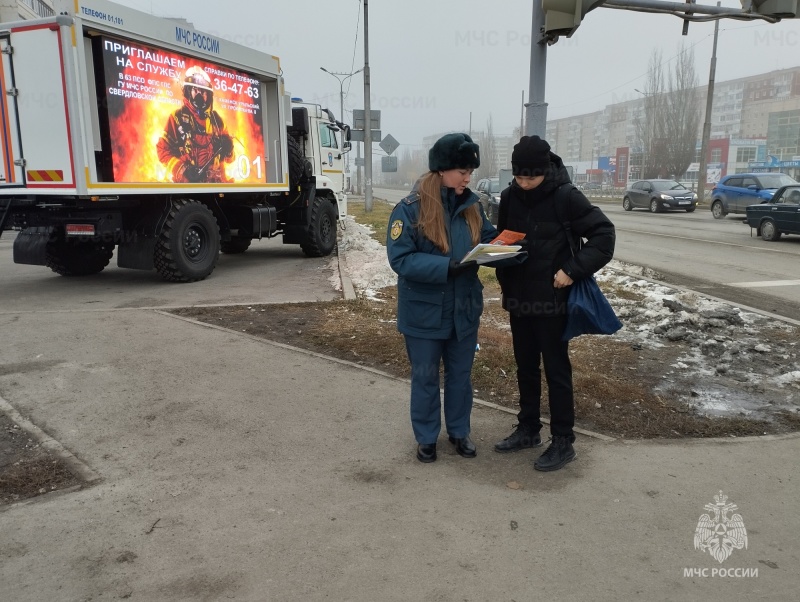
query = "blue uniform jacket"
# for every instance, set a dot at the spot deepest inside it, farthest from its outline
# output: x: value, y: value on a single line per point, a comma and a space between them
x: 429, y: 304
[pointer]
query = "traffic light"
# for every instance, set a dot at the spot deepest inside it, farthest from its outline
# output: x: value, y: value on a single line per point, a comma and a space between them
x: 562, y: 17
x: 779, y: 9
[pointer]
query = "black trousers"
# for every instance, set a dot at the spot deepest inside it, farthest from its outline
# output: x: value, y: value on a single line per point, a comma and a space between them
x: 537, y: 340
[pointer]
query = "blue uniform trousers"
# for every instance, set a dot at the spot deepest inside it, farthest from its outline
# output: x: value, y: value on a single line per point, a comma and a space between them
x: 425, y: 356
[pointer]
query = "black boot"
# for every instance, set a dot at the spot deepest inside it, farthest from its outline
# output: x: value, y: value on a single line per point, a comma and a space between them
x: 522, y: 438
x: 558, y: 455
x: 464, y: 447
x: 426, y: 452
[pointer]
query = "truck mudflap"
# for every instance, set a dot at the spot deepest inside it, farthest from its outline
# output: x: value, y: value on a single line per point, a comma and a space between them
x: 30, y: 246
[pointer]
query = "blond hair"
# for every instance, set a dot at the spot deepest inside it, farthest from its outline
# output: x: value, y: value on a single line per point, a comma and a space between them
x: 431, y: 214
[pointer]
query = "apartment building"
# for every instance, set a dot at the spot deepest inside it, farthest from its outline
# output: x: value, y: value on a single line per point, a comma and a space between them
x: 756, y: 117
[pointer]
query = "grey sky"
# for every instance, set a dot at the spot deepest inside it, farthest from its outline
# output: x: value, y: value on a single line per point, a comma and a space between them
x: 435, y: 62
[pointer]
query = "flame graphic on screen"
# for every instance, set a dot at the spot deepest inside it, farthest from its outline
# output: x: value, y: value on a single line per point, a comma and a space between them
x: 136, y: 122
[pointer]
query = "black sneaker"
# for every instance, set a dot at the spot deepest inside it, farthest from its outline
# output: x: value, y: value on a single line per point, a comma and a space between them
x: 559, y: 454
x: 522, y: 438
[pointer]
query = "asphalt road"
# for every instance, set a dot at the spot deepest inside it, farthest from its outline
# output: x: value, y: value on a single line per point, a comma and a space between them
x: 696, y: 251
x: 269, y: 272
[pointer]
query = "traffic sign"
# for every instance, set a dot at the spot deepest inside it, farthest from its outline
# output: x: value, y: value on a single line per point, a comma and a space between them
x: 389, y: 144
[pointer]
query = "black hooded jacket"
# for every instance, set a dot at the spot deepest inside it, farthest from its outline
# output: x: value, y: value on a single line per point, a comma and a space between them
x: 528, y: 287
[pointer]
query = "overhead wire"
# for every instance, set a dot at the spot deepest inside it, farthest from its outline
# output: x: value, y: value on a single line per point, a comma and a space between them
x: 638, y: 77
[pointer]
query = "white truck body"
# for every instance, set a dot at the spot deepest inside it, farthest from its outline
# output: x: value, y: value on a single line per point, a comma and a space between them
x: 94, y: 103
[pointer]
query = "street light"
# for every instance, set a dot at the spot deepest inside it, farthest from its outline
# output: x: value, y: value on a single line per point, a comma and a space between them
x: 343, y: 77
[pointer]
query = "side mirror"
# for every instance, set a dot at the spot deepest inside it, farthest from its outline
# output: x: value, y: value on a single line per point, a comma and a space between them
x: 347, y: 146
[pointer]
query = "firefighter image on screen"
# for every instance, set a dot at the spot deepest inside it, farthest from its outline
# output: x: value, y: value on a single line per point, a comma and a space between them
x: 195, y: 143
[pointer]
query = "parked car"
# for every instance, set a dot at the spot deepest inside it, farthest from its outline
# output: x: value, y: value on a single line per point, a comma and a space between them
x: 734, y: 193
x: 488, y: 190
x: 659, y: 195
x: 779, y: 215
x: 590, y: 186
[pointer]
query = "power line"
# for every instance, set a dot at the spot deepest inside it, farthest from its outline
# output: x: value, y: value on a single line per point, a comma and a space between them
x: 355, y: 45
x: 638, y: 77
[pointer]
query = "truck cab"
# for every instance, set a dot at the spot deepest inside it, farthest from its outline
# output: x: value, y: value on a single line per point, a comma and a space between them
x: 324, y: 141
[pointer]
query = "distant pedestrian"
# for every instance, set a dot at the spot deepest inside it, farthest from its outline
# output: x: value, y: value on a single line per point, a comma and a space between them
x: 439, y: 300
x: 539, y: 201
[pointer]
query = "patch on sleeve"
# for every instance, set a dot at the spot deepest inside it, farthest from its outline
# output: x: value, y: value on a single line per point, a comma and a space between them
x: 397, y: 229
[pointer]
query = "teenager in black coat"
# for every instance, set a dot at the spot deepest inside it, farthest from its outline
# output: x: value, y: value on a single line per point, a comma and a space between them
x: 539, y: 201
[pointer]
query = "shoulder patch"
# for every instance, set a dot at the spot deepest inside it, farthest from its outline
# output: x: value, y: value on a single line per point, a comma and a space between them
x: 396, y: 229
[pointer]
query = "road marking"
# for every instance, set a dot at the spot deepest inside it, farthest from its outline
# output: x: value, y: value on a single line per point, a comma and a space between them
x: 764, y: 283
x: 715, y: 242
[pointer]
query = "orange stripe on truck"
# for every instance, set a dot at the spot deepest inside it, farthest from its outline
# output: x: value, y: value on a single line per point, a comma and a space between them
x: 45, y: 175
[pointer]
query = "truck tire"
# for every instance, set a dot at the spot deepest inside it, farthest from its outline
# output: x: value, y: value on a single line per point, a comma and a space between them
x: 187, y: 248
x: 321, y: 235
x: 235, y: 246
x: 78, y: 258
x: 299, y: 169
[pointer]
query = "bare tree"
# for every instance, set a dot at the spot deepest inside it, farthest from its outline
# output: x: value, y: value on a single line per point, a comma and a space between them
x: 683, y: 114
x: 651, y: 125
x: 488, y: 148
x: 667, y: 128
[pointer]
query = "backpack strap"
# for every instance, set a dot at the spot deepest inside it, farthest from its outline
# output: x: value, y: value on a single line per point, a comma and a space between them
x: 561, y: 204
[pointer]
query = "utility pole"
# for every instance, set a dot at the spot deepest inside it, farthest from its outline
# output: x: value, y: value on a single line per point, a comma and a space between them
x: 358, y: 168
x: 522, y: 116
x: 702, y: 175
x: 367, y: 119
x: 536, y: 109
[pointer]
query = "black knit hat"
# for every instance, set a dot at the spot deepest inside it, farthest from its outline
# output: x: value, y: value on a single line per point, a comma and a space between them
x: 454, y: 151
x: 531, y: 157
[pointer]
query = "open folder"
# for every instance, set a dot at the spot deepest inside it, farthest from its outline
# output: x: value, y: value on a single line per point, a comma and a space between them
x: 501, y: 247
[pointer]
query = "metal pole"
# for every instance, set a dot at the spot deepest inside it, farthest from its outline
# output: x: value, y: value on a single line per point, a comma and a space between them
x: 358, y: 168
x: 367, y: 119
x: 536, y: 109
x: 702, y: 176
x: 522, y: 116
x: 341, y: 78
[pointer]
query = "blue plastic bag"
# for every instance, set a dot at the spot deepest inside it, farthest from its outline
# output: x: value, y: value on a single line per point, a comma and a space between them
x: 588, y: 311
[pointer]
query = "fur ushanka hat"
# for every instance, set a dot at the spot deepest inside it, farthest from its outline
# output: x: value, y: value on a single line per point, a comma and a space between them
x: 454, y: 151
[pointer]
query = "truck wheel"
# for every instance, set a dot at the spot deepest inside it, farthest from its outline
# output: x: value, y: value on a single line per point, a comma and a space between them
x: 187, y: 248
x: 235, y: 246
x: 321, y: 236
x: 78, y: 258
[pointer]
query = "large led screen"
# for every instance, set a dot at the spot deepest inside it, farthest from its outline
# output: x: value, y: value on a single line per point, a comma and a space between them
x: 174, y: 118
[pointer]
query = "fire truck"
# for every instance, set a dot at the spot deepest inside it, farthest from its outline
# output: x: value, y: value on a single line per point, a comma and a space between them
x: 124, y: 134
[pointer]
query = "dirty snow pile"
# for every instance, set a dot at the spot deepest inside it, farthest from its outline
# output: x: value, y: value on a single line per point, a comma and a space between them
x: 722, y: 344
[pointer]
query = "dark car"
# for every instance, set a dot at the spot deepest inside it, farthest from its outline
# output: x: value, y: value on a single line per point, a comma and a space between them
x: 734, y: 193
x: 659, y: 195
x: 488, y: 190
x: 779, y: 215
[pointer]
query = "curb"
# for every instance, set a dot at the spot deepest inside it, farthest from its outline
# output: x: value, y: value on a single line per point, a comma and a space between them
x: 347, y: 284
x: 75, y: 466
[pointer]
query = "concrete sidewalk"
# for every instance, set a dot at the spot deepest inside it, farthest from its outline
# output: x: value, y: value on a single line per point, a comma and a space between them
x: 234, y: 468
